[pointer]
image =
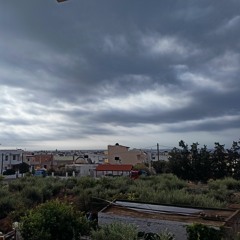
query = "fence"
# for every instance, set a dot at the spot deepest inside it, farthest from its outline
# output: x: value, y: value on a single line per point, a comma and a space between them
x: 13, y: 235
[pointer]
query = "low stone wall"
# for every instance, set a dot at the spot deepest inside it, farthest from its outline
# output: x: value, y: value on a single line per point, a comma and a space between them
x: 147, y: 225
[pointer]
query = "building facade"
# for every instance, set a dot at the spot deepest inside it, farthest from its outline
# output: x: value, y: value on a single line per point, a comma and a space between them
x: 37, y: 161
x: 10, y: 158
x: 118, y: 154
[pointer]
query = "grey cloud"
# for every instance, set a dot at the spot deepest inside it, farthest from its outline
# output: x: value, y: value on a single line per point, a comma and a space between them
x: 211, y: 125
x: 68, y: 62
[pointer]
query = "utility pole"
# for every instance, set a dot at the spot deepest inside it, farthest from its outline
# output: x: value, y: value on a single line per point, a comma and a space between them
x: 149, y: 161
x: 2, y: 165
x: 158, y: 151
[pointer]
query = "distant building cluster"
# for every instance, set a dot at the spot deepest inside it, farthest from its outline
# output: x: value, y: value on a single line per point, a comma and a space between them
x: 84, y: 162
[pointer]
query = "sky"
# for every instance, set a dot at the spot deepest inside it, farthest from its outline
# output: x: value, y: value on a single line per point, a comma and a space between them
x: 87, y: 74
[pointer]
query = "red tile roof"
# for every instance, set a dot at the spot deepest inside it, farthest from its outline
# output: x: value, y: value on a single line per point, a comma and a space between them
x: 114, y: 167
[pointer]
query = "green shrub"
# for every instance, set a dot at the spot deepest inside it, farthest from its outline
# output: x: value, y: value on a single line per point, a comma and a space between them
x: 228, y: 183
x: 7, y: 204
x: 56, y: 187
x: 53, y: 220
x: 84, y: 200
x: 4, y: 192
x: 70, y: 183
x: 9, y: 172
x: 47, y: 193
x: 16, y: 186
x: 86, y: 182
x: 33, y: 195
x: 166, y: 235
x: 115, y: 231
x: 1, y: 180
x: 199, y: 231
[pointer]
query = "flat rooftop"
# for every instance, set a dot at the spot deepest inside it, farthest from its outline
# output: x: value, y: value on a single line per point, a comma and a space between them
x: 211, y: 217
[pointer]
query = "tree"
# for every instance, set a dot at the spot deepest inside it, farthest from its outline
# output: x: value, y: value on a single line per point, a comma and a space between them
x: 205, y: 168
x: 233, y: 160
x: 160, y: 166
x: 53, y: 220
x: 180, y: 162
x: 195, y: 161
x: 219, y: 161
x: 201, y: 164
x: 23, y: 167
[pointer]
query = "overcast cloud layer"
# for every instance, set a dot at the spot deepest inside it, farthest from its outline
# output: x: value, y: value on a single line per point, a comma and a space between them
x: 85, y: 74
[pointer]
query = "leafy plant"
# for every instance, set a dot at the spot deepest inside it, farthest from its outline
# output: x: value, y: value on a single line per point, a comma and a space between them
x: 7, y: 204
x: 117, y: 231
x: 199, y: 231
x: 53, y: 220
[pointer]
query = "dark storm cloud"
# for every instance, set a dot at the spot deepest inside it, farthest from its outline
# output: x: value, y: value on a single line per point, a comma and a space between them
x: 84, y: 68
x: 209, y: 126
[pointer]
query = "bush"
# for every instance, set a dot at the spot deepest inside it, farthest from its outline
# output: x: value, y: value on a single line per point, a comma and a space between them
x: 7, y: 205
x: 9, y: 172
x: 228, y: 183
x: 1, y: 180
x: 165, y: 235
x: 203, y: 232
x: 116, y: 230
x: 53, y: 220
x: 33, y: 195
x: 15, y: 186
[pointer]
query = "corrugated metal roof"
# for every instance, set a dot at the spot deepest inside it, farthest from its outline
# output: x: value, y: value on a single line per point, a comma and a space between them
x: 158, y: 208
x: 209, y: 216
x: 114, y: 167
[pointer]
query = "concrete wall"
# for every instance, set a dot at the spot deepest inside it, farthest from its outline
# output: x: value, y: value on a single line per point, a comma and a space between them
x: 147, y: 225
x: 83, y: 169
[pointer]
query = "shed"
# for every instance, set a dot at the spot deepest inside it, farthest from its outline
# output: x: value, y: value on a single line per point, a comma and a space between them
x: 154, y: 218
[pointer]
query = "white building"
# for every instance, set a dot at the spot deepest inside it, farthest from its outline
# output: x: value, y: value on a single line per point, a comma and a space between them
x: 9, y: 158
x: 82, y: 170
x: 155, y: 155
x: 96, y: 157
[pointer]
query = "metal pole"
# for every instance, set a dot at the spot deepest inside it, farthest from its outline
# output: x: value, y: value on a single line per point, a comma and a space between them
x: 2, y: 165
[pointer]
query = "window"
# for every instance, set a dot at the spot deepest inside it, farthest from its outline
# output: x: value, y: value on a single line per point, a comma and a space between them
x: 14, y: 157
x: 6, y: 157
x: 117, y: 159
